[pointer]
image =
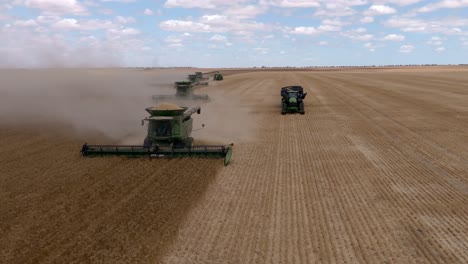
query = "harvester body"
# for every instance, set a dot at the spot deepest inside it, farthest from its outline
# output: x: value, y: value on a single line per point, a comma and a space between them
x: 168, y: 135
x: 184, y: 90
x: 292, y: 100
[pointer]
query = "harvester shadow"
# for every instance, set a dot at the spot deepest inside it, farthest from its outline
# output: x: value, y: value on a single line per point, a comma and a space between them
x: 153, y: 213
x: 110, y: 210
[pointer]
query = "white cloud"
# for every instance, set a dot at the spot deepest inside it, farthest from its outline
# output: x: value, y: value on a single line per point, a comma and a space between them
x: 25, y: 23
x: 57, y: 7
x: 370, y: 46
x: 124, y: 31
x: 450, y: 26
x: 394, y: 37
x: 360, y: 30
x: 184, y: 26
x: 25, y: 47
x: 323, y: 43
x: 215, y: 24
x: 406, y: 48
x: 357, y: 34
x: 204, y: 4
x: 218, y: 38
x: 440, y: 49
x: 125, y: 20
x: 398, y: 2
x: 262, y: 50
x: 375, y: 10
x: 435, y: 41
x: 443, y: 4
x: 305, y: 31
x: 242, y: 12
x: 148, y: 12
x: 291, y: 3
x: 367, y: 19
x: 119, y: 1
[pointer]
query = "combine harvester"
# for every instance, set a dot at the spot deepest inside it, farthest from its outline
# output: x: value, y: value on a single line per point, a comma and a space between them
x: 292, y: 100
x: 184, y: 91
x: 169, y: 130
x: 196, y: 78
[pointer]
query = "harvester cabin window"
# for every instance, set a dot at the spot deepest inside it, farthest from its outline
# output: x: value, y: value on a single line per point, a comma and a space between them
x: 163, y: 128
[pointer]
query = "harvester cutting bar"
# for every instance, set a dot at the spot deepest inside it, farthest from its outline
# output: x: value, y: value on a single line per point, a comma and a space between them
x: 218, y: 151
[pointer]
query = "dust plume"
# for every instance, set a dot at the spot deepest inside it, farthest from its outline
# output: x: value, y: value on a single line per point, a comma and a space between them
x: 227, y: 119
x: 108, y: 102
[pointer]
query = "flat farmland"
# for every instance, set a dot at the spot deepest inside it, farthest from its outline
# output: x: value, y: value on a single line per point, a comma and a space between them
x: 376, y: 171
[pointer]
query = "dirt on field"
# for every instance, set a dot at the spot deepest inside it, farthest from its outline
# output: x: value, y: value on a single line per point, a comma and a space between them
x: 376, y: 171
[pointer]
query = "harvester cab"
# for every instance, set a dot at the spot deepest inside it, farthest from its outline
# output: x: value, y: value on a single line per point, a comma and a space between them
x: 292, y: 100
x: 168, y: 135
x: 170, y: 125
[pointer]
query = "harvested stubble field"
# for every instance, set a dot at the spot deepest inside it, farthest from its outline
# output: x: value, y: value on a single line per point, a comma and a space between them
x: 376, y: 171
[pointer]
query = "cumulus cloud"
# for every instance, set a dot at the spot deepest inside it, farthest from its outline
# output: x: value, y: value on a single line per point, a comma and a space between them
x: 243, y: 12
x: 148, y: 12
x: 406, y: 48
x: 57, y: 7
x: 305, y: 31
x: 435, y: 41
x: 443, y: 4
x: 450, y: 26
x: 375, y: 10
x: 394, y: 37
x: 182, y: 26
x: 218, y: 38
x: 370, y: 46
x: 357, y: 34
x: 204, y: 4
x: 44, y: 42
x: 214, y: 24
x: 323, y: 43
x: 367, y: 19
x: 398, y: 2
x: 291, y: 3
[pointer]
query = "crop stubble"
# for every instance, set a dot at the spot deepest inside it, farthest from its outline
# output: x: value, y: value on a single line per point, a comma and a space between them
x: 376, y: 171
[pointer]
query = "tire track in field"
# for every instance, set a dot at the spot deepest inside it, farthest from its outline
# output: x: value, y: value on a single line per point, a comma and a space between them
x: 231, y: 203
x: 434, y: 257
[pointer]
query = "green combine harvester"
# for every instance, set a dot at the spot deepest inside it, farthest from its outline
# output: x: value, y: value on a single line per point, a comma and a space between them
x: 169, y: 130
x: 197, y: 78
x: 292, y: 100
x: 184, y: 90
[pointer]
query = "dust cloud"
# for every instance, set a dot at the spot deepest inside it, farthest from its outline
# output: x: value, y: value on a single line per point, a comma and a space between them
x: 107, y: 102
x: 105, y: 106
x: 227, y: 119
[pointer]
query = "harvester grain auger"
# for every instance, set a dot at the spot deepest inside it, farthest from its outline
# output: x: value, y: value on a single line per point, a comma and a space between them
x: 184, y: 90
x: 169, y: 130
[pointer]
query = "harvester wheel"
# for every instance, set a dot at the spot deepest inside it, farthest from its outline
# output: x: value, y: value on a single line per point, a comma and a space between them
x: 301, y: 108
x: 283, y: 108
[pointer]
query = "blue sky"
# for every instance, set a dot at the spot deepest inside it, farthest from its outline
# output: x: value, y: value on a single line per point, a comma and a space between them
x: 220, y: 33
